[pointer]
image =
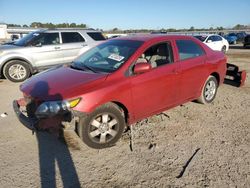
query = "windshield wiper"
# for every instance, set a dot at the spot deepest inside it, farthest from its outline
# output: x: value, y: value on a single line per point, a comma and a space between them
x: 84, y: 67
x: 89, y: 68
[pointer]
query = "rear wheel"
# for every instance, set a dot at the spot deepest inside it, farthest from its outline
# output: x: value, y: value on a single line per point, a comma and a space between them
x: 209, y: 90
x: 103, y: 127
x: 16, y: 71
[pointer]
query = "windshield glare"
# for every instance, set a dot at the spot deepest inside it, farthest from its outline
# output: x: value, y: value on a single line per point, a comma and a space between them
x: 26, y: 39
x: 107, y: 57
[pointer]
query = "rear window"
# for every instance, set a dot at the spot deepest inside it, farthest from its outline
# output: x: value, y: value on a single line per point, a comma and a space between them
x: 96, y: 36
x: 70, y: 37
x: 188, y: 49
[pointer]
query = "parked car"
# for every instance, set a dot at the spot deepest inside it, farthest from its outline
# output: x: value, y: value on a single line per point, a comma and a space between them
x: 234, y: 38
x: 231, y: 39
x: 215, y: 42
x: 43, y: 49
x: 120, y: 82
x: 246, y: 42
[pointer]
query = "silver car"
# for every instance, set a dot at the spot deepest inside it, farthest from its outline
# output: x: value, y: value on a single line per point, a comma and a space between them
x: 43, y: 49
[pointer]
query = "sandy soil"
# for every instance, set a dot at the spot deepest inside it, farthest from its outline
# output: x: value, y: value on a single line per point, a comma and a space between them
x: 216, y: 135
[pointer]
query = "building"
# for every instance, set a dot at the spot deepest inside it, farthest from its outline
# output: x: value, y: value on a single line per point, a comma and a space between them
x: 6, y: 33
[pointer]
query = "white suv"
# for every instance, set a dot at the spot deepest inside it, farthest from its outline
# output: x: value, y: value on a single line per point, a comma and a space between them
x: 43, y: 49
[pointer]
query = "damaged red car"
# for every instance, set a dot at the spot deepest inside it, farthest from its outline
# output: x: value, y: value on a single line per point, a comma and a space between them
x: 120, y: 82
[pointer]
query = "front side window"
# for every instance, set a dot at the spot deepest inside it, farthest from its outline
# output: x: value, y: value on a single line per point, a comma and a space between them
x: 71, y: 37
x: 157, y: 55
x: 26, y: 39
x: 45, y: 39
x: 107, y: 57
x: 188, y: 49
x: 218, y: 38
x: 211, y: 38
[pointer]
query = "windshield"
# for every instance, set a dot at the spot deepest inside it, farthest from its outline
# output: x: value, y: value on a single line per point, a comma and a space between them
x: 107, y: 57
x: 201, y: 38
x: 26, y: 39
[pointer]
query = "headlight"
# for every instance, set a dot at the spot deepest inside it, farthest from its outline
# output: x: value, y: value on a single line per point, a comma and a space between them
x: 52, y: 108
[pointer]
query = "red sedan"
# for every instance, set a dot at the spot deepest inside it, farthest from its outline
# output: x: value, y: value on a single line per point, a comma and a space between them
x: 120, y: 82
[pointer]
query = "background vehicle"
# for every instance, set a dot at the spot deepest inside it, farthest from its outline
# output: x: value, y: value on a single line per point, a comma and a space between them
x: 120, y: 82
x: 44, y: 48
x: 215, y: 42
x: 246, y: 42
x: 234, y: 38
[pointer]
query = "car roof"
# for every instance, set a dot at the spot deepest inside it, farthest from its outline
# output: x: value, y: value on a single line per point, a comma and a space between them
x: 207, y: 35
x: 68, y: 29
x: 148, y: 37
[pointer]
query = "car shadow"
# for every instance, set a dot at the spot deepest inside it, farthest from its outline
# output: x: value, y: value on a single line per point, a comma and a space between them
x: 53, y: 153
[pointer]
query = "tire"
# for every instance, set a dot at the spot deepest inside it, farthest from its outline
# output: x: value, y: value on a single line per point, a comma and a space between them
x: 16, y: 71
x: 103, y: 127
x: 209, y: 90
x: 224, y: 49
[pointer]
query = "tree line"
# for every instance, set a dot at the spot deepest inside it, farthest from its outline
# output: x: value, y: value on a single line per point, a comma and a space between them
x: 117, y: 30
x: 50, y: 25
x: 192, y: 28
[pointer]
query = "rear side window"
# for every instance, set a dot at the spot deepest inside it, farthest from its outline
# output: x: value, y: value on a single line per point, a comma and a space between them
x: 96, y: 36
x: 188, y: 49
x: 70, y: 37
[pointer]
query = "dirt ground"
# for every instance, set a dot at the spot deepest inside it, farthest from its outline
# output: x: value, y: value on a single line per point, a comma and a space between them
x: 216, y: 135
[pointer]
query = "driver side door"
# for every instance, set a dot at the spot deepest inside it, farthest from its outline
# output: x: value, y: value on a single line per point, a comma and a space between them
x: 157, y: 89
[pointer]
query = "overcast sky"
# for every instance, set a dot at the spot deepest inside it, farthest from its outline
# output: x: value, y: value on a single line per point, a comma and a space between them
x: 128, y: 14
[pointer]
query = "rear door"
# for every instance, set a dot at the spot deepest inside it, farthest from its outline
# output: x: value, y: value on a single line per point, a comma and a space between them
x: 72, y: 44
x: 156, y: 89
x: 192, y: 68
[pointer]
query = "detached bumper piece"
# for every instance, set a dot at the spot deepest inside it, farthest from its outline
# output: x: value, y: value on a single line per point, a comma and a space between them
x: 235, y: 77
x: 27, y: 122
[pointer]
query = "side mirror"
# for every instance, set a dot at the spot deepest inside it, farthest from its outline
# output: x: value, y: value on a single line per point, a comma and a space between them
x: 209, y: 41
x: 141, y: 68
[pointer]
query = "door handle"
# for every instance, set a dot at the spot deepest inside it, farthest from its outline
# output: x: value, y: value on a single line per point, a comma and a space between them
x: 57, y: 47
x: 84, y: 45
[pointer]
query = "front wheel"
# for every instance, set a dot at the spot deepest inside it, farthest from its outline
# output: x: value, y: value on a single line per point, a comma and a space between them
x: 209, y: 90
x: 224, y: 49
x: 103, y: 127
x: 16, y: 71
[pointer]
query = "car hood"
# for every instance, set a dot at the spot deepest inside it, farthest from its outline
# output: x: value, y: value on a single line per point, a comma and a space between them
x: 61, y: 83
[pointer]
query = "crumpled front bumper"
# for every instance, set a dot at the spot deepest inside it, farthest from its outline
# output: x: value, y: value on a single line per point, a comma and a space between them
x: 30, y: 123
x: 35, y: 124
